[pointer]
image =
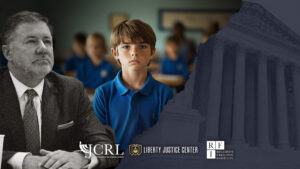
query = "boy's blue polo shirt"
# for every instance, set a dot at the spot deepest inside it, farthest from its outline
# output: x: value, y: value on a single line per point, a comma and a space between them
x: 73, y: 62
x: 174, y: 67
x: 93, y: 76
x: 130, y: 112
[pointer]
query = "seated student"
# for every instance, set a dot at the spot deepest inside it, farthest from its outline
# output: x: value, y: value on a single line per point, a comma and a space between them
x: 78, y: 56
x: 187, y: 47
x: 95, y: 71
x: 173, y: 64
x: 132, y: 102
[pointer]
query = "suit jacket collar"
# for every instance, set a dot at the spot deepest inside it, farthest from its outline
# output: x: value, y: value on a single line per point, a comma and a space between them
x: 50, y: 112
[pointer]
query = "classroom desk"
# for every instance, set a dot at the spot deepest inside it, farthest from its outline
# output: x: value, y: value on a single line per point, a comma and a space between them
x: 170, y: 80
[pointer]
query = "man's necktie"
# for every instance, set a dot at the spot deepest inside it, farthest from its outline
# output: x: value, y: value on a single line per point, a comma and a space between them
x: 31, y: 124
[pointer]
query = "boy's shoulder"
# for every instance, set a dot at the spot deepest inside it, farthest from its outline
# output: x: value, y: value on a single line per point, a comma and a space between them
x: 106, y: 85
x: 164, y: 90
x: 160, y: 85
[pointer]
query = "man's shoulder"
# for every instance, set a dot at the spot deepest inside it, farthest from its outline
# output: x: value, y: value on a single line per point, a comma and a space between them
x: 105, y: 91
x: 3, y: 70
x: 63, y: 81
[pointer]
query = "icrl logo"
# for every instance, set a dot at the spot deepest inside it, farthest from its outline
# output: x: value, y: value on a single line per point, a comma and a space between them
x: 212, y: 146
x: 99, y: 150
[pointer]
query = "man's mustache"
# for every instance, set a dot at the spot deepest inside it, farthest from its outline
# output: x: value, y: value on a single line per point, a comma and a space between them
x: 44, y: 56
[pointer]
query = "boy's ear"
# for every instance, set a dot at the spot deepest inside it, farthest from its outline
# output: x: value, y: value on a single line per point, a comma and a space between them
x: 114, y: 53
x: 153, y: 51
x: 6, y: 52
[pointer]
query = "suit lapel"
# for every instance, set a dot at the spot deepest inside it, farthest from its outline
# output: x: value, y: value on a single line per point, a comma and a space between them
x: 50, y: 112
x: 10, y: 108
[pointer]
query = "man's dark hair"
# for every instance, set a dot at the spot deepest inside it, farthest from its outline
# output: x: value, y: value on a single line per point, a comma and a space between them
x: 15, y: 20
x: 80, y: 37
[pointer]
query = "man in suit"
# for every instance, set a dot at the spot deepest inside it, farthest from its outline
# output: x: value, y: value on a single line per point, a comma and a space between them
x: 43, y: 115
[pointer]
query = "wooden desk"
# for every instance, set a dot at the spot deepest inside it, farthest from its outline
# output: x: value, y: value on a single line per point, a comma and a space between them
x: 170, y: 80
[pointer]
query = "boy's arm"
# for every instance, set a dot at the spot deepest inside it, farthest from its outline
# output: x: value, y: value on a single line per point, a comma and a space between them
x: 99, y: 106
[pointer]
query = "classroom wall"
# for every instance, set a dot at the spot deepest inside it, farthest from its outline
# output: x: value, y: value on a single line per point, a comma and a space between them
x: 71, y: 16
x: 9, y: 7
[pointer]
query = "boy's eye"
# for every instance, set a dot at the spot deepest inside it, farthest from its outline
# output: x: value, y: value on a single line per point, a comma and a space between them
x: 125, y: 46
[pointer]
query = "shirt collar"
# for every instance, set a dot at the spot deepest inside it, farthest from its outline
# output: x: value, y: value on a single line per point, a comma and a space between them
x: 119, y: 84
x: 146, y: 89
x: 21, y: 88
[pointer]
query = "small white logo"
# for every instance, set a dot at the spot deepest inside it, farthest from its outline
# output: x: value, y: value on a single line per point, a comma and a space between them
x: 101, y: 150
x: 103, y: 73
x: 179, y: 67
x: 212, y: 146
x: 86, y: 149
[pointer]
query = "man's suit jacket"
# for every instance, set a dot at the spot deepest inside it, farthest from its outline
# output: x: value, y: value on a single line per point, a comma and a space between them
x: 64, y: 101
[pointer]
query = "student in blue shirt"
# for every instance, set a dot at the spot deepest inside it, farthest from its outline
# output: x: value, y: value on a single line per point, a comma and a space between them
x: 173, y: 64
x: 95, y: 71
x: 78, y: 56
x: 132, y: 102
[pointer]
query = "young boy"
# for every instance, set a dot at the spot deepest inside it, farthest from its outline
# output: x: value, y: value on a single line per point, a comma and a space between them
x: 132, y: 102
x: 173, y: 64
x: 78, y: 56
x: 95, y: 71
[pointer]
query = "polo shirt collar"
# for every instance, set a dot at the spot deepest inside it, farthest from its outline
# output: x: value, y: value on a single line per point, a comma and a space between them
x: 146, y: 89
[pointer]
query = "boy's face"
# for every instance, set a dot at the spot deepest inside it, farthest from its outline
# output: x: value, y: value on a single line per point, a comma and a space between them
x: 172, y: 50
x: 78, y: 48
x: 133, y: 55
x: 94, y: 48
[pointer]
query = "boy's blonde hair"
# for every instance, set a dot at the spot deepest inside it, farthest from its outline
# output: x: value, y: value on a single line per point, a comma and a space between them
x: 100, y: 38
x: 134, y: 30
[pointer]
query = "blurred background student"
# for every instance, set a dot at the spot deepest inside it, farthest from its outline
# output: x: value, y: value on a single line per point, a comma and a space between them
x: 95, y: 70
x: 212, y: 29
x: 173, y: 63
x: 187, y: 48
x: 78, y: 56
